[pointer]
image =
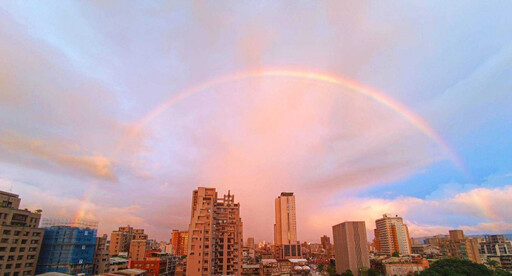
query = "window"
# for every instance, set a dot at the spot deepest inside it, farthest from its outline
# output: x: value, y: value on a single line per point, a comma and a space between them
x: 7, y: 232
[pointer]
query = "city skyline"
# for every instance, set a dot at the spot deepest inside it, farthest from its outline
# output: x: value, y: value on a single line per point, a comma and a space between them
x: 116, y: 113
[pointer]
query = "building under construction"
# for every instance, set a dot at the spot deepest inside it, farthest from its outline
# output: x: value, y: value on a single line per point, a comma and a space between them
x: 68, y: 246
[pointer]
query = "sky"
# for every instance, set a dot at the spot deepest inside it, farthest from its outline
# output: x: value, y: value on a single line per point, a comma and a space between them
x: 116, y: 113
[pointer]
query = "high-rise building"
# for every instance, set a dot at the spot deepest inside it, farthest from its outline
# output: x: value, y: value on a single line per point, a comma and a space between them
x: 392, y: 235
x: 100, y: 264
x: 68, y: 246
x: 179, y: 241
x: 120, y: 239
x: 20, y: 237
x: 250, y: 243
x: 350, y: 246
x: 285, y: 227
x: 215, y: 234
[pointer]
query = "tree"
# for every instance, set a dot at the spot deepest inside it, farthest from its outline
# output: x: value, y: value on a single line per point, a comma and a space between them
x: 331, y: 270
x: 456, y: 267
x: 320, y: 267
x: 395, y: 254
x: 348, y: 272
x: 493, y: 264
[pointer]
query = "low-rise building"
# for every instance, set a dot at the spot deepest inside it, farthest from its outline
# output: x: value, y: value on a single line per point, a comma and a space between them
x: 269, y: 267
x: 155, y: 263
x: 116, y: 264
x: 398, y: 266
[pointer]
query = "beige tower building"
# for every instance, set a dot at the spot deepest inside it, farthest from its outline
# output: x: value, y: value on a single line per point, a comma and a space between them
x: 350, y: 246
x: 285, y: 228
x: 392, y: 235
x: 120, y: 240
x: 20, y: 237
x: 215, y: 234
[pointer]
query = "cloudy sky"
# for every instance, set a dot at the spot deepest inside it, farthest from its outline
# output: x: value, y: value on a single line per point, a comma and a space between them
x: 116, y: 112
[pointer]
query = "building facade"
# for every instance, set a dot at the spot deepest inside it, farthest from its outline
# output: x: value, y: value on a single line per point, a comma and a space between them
x: 350, y: 246
x: 20, y: 237
x: 285, y: 227
x: 392, y: 235
x: 68, y: 247
x: 496, y: 245
x: 179, y: 242
x: 215, y: 234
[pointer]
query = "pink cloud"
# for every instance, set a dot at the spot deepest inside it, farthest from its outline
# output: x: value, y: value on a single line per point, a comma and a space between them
x: 489, y: 205
x: 64, y: 156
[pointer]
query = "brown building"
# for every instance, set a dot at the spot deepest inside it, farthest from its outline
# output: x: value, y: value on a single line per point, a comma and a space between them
x: 100, y: 263
x: 285, y: 228
x: 459, y: 246
x: 20, y: 237
x: 179, y: 242
x: 215, y: 234
x: 350, y: 246
x: 250, y: 243
x: 392, y: 235
x: 121, y: 238
x: 326, y: 243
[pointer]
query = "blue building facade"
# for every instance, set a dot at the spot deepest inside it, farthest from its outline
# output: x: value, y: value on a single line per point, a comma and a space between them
x: 67, y: 249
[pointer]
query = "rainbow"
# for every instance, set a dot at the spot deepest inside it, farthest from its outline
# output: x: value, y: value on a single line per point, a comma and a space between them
x: 80, y: 213
x: 351, y: 85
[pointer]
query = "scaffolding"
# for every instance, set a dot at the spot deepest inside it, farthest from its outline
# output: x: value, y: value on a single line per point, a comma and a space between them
x: 68, y: 222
